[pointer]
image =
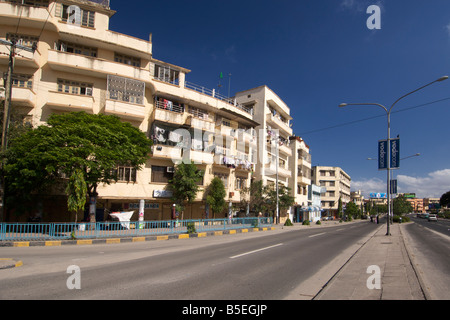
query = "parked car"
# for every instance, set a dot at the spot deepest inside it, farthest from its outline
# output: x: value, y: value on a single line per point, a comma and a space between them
x: 432, y: 217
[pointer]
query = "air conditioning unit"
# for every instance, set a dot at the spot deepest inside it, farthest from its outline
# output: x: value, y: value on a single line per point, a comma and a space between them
x: 171, y: 169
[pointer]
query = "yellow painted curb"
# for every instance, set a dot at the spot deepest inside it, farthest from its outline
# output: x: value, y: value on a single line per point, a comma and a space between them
x: 21, y: 244
x: 201, y: 235
x: 183, y: 236
x: 218, y: 233
x: 264, y: 229
x: 52, y: 243
x: 232, y: 231
x: 84, y: 241
x: 162, y: 238
x: 17, y: 264
x: 244, y: 230
x: 255, y: 229
x: 139, y: 239
x: 112, y: 241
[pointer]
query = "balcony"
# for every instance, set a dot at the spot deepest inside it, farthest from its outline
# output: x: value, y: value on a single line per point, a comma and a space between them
x: 93, y: 67
x: 21, y: 97
x: 170, y: 113
x: 69, y: 102
x: 200, y: 157
x: 125, y: 110
x: 270, y: 169
x: 276, y: 123
x: 23, y: 58
x: 303, y: 180
x: 167, y: 152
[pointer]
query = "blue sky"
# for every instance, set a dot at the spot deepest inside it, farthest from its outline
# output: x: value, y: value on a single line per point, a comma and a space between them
x: 316, y: 54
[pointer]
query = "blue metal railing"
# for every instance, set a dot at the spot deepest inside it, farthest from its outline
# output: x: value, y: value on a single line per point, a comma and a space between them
x: 87, y: 230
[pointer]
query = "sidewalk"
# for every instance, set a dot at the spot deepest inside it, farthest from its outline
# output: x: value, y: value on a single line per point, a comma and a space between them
x: 398, y: 280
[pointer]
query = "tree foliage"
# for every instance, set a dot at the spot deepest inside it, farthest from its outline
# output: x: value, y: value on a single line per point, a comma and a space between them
x: 184, y: 184
x: 216, y: 194
x: 77, y: 145
x: 445, y: 199
x: 401, y: 206
x: 263, y: 198
x: 352, y: 210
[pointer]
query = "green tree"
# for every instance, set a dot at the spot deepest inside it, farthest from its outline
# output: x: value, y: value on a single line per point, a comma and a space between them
x: 255, y: 197
x: 76, y: 191
x: 401, y: 206
x: 216, y: 194
x: 445, y: 199
x: 352, y: 210
x: 340, y: 208
x: 184, y: 184
x: 77, y: 142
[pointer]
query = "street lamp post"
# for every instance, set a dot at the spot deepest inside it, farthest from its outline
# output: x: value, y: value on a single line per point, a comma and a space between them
x: 388, y: 113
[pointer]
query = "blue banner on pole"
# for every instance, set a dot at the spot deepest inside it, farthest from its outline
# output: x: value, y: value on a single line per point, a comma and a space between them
x: 382, y: 155
x: 395, y: 153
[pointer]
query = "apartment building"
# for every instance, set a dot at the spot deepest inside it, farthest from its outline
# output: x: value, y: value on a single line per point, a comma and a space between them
x: 273, y: 153
x: 81, y: 65
x: 337, y: 184
x: 300, y: 181
x: 358, y: 198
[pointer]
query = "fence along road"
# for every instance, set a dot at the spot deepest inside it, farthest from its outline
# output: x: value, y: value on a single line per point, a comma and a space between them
x: 114, y: 229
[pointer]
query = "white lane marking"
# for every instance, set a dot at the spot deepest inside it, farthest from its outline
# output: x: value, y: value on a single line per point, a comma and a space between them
x: 254, y: 251
x: 315, y: 235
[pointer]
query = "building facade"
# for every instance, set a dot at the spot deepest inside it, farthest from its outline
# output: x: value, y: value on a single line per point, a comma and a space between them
x: 81, y: 65
x: 273, y: 153
x: 300, y: 181
x: 337, y: 186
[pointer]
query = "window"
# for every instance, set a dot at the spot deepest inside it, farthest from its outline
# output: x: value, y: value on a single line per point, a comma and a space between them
x: 22, y: 81
x: 124, y: 89
x: 223, y: 177
x: 74, y: 87
x: 23, y: 39
x: 34, y: 3
x: 166, y: 74
x: 198, y: 113
x: 135, y: 62
x: 75, y: 48
x: 125, y: 174
x: 241, y: 183
x: 162, y: 174
x: 87, y: 18
x: 226, y: 122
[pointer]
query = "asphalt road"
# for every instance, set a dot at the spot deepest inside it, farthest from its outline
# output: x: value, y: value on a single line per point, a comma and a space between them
x: 268, y: 265
x: 429, y: 243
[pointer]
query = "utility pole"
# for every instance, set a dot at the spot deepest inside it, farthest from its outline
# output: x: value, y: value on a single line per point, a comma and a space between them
x: 13, y: 45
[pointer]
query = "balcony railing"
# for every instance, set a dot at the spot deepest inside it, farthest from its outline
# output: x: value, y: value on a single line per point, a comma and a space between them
x: 214, y: 94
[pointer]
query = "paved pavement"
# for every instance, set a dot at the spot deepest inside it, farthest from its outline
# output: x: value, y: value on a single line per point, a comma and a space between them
x: 380, y: 270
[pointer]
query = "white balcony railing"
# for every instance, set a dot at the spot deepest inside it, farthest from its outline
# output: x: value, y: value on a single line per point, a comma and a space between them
x: 214, y: 94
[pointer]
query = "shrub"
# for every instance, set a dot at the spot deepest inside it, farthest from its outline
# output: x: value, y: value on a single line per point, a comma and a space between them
x: 191, y: 228
x: 288, y: 223
x: 305, y: 223
x: 318, y: 222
